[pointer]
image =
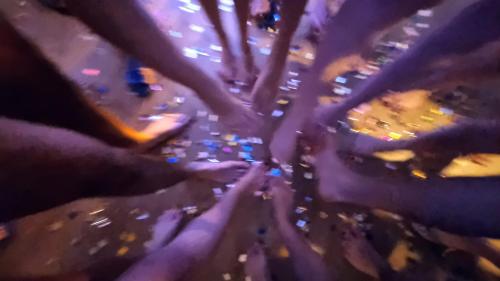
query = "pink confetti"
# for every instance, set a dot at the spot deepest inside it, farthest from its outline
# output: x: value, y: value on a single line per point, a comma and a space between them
x: 227, y: 149
x: 91, y: 71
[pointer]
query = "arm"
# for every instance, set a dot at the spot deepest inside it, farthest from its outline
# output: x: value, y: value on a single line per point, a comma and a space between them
x: 458, y: 205
x: 463, y: 138
x: 44, y: 167
x: 195, y: 244
x: 307, y: 264
x: 125, y: 24
x: 407, y: 71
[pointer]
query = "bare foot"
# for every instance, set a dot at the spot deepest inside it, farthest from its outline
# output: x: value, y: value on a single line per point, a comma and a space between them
x: 282, y: 198
x: 256, y: 264
x: 220, y: 172
x: 230, y: 69
x: 164, y: 229
x: 253, y: 180
x: 473, y: 245
x: 240, y: 119
x: 169, y: 126
x: 265, y: 91
x: 336, y: 181
x: 360, y: 253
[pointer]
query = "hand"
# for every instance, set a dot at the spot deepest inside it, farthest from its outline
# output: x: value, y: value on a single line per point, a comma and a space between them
x: 253, y: 180
x: 240, y: 119
x: 282, y: 198
x: 220, y: 172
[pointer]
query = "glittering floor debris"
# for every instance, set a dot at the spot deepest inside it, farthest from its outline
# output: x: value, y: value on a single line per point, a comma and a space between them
x: 123, y: 225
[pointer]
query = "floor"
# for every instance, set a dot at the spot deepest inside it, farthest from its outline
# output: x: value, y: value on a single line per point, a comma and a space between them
x: 89, y: 232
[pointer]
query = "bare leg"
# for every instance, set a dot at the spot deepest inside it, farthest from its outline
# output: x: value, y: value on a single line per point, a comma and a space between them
x: 415, y: 66
x: 306, y: 262
x: 360, y: 254
x: 198, y: 240
x: 256, y: 264
x: 164, y: 230
x: 243, y: 12
x: 266, y: 87
x: 433, y: 202
x: 111, y: 18
x: 35, y: 91
x: 344, y: 41
x: 59, y: 166
x: 228, y: 57
x: 477, y: 246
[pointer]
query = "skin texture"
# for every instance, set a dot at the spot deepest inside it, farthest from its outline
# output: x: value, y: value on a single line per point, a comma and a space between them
x: 197, y: 241
x: 306, y: 262
x: 343, y: 43
x: 110, y: 17
x: 459, y: 205
x: 422, y: 66
x: 32, y: 88
x: 64, y: 166
x: 266, y: 87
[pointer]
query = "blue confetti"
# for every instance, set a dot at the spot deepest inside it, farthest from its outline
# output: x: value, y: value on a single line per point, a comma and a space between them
x: 247, y: 148
x: 172, y: 160
x: 275, y: 172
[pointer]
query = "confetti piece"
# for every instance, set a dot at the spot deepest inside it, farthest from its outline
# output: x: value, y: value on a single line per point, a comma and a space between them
x: 122, y: 251
x: 425, y: 13
x: 91, y: 71
x: 227, y: 149
x: 394, y: 135
x: 419, y: 174
x: 275, y: 172
x: 196, y: 28
x: 308, y: 175
x: 217, y: 192
x: 175, y: 34
x: 55, y: 226
x: 201, y: 113
x: 234, y: 90
x: 341, y: 80
x: 299, y: 210
x: 128, y: 236
x: 202, y: 155
x: 301, y: 223
x: 282, y: 101
x: 190, y: 53
x: 101, y: 222
x: 242, y: 258
x: 216, y: 48
x: 265, y: 51
x: 323, y: 215
x: 172, y: 160
x: 190, y: 210
x: 179, y: 100
x: 277, y: 113
x: 226, y: 276
x: 213, y: 117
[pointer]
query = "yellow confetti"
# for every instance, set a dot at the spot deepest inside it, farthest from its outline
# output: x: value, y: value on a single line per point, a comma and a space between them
x: 283, y: 252
x: 282, y: 101
x: 149, y: 75
x: 128, y: 236
x: 419, y: 174
x: 395, y: 136
x: 122, y: 251
x: 400, y: 254
x: 426, y: 118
